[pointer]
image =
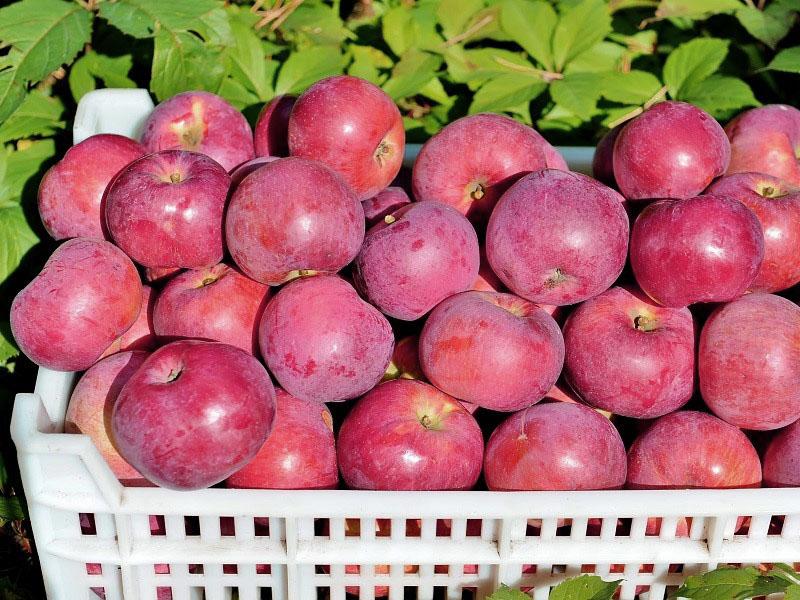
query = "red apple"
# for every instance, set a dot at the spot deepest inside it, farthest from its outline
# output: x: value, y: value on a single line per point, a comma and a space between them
x: 672, y: 150
x: 776, y: 203
x: 322, y: 342
x: 353, y: 127
x: 603, y: 159
x: 555, y: 446
x: 749, y: 362
x: 703, y: 249
x: 405, y: 360
x: 487, y: 280
x: 193, y: 414
x: 272, y: 127
x: 200, y: 122
x: 86, y: 296
x: 140, y: 336
x: 217, y: 303
x: 782, y: 458
x: 165, y: 209
x: 160, y: 274
x: 407, y: 435
x: 557, y: 237
x: 690, y: 449
x: 384, y: 203
x: 478, y: 346
x: 71, y: 191
x: 244, y: 169
x: 473, y: 160
x: 290, y: 217
x: 629, y: 356
x: 415, y: 258
x: 299, y: 454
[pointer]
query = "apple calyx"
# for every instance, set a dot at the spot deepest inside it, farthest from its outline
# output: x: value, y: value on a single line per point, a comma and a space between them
x: 645, y: 323
x: 173, y: 374
x: 382, y: 153
x: 477, y: 191
x: 429, y: 419
x: 769, y: 191
x: 555, y: 279
x: 389, y: 219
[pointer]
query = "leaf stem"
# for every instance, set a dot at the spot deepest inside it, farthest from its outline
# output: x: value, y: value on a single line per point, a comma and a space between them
x: 546, y: 76
x: 469, y: 32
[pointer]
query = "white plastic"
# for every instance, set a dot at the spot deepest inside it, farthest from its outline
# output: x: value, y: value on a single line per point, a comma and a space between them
x: 431, y: 545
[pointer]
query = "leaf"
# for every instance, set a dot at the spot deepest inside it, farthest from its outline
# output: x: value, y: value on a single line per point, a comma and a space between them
x: 16, y: 238
x: 634, y: 87
x: 692, y: 62
x: 38, y: 115
x: 317, y: 23
x: 506, y: 593
x: 400, y: 30
x: 19, y: 166
x: 792, y: 592
x: 720, y: 584
x: 605, y: 56
x: 530, y: 23
x: 436, y: 92
x: 719, y: 95
x: 142, y: 18
x: 695, y: 9
x: 246, y: 60
x: 454, y: 15
x: 786, y: 60
x: 505, y: 92
x: 182, y: 62
x: 12, y: 92
x: 578, y: 93
x: 10, y: 507
x: 769, y: 25
x: 237, y: 94
x: 305, y: 67
x: 414, y: 70
x: 8, y: 349
x: 368, y: 62
x: 111, y: 70
x: 476, y: 66
x: 578, y: 29
x: 584, y: 587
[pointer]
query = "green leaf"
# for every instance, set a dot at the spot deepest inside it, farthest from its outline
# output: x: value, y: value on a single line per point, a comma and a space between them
x: 695, y: 9
x: 530, y: 23
x: 436, y: 92
x: 578, y: 93
x: 8, y: 349
x: 142, y: 18
x: 182, y: 62
x: 12, y: 92
x: 505, y: 92
x: 316, y: 23
x: 506, y: 593
x: 792, y: 592
x: 11, y: 507
x: 578, y: 29
x: 38, y: 115
x: 246, y: 60
x: 769, y: 25
x: 305, y: 67
x: 634, y: 87
x: 786, y: 60
x: 400, y: 29
x: 605, y: 56
x: 585, y: 587
x: 368, y: 63
x: 414, y: 70
x: 111, y: 70
x: 720, y: 95
x: 19, y: 166
x: 719, y: 584
x: 692, y: 62
x: 16, y: 238
x: 476, y: 66
x: 237, y: 94
x: 455, y: 15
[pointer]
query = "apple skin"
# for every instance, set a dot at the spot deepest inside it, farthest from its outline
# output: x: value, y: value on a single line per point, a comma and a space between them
x: 454, y: 166
x: 384, y: 203
x: 407, y: 435
x: 415, y: 258
x: 244, y: 169
x: 271, y: 134
x: 690, y: 449
x: 749, y: 362
x: 160, y: 274
x: 480, y: 347
x: 782, y: 458
x: 71, y: 192
x: 704, y: 249
x: 353, y: 127
x: 140, y: 336
x: 293, y: 215
x: 558, y: 238
x: 299, y: 454
x: 629, y: 356
x: 217, y: 303
x: 200, y: 122
x: 691, y: 150
x: 555, y: 446
x: 603, y: 160
x: 776, y: 203
x: 86, y: 296
x: 322, y: 342
x: 193, y: 414
x: 92, y: 403
x: 766, y: 140
x: 165, y: 209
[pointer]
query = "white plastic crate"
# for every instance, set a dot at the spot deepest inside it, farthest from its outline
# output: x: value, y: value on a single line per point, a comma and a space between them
x: 94, y: 536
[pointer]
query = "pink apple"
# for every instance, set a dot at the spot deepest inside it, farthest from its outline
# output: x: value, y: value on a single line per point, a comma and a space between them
x: 703, y: 249
x: 353, y: 127
x: 87, y: 295
x: 193, y: 414
x: 782, y: 458
x: 71, y: 191
x: 690, y: 449
x: 200, y: 122
x: 749, y: 362
x: 140, y: 336
x: 487, y: 280
x: 299, y: 454
x: 322, y: 342
x: 603, y: 160
x: 384, y: 203
x: 472, y: 161
x: 165, y: 209
x: 672, y: 150
x: 555, y: 446
x: 244, y: 169
x: 290, y: 217
x: 407, y: 435
x: 272, y: 127
x: 217, y: 303
x: 160, y: 274
x: 405, y: 360
x: 557, y: 237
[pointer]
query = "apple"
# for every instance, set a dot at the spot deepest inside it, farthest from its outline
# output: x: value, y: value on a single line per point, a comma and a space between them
x: 703, y: 249
x: 782, y: 458
x: 299, y: 454
x: 86, y: 296
x: 776, y: 203
x: 272, y: 127
x: 290, y: 217
x: 487, y: 280
x: 494, y: 350
x: 557, y: 237
x: 690, y: 449
x: 72, y: 190
x: 200, y: 122
x: 217, y: 303
x: 603, y: 159
x: 473, y: 160
x: 405, y: 360
x: 160, y: 274
x: 749, y: 362
x: 353, y: 127
x: 766, y: 140
x: 407, y: 435
x: 193, y: 414
x: 384, y: 203
x: 629, y: 356
x: 244, y: 169
x: 91, y: 406
x: 555, y: 446
x: 672, y: 150
x: 322, y: 342
x: 140, y: 336
x: 415, y: 258
x: 165, y: 209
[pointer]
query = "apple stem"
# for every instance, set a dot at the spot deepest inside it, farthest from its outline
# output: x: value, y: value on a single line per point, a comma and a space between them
x: 389, y: 219
x: 477, y: 192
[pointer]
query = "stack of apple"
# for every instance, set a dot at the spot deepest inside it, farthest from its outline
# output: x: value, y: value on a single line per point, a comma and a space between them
x: 495, y: 304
